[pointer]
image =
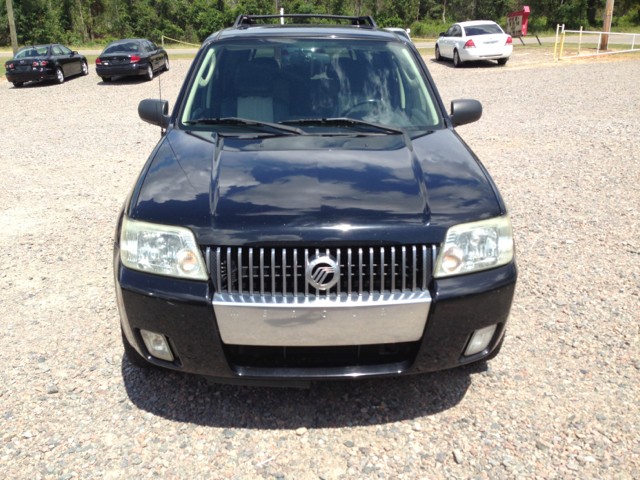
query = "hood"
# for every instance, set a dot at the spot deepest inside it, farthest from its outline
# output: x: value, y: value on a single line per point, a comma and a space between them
x: 315, y: 189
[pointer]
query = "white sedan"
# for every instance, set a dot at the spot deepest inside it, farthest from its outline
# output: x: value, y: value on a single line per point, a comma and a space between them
x: 473, y: 41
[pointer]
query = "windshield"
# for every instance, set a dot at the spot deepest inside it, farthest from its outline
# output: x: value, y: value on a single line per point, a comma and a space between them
x: 488, y: 29
x: 292, y: 80
x: 128, y: 47
x: 32, y: 52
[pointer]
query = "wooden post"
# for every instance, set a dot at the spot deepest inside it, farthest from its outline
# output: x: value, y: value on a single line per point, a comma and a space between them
x: 606, y: 25
x: 12, y: 27
x: 580, y: 40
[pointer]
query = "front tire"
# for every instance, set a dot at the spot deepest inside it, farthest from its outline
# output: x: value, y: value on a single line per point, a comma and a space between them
x: 18, y: 84
x: 149, y: 75
x: 134, y: 357
x: 166, y: 64
x: 438, y: 56
x: 503, y: 61
x: 456, y: 59
x: 85, y: 69
x: 59, y: 76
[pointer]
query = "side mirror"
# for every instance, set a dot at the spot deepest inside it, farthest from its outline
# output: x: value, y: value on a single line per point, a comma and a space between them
x: 441, y: 34
x: 155, y: 112
x: 75, y: 52
x: 465, y: 111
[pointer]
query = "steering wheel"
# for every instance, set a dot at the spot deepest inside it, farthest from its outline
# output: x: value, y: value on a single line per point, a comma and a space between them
x: 369, y: 101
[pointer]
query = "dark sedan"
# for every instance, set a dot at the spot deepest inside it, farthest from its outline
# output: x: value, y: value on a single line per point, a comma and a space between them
x: 45, y: 62
x: 132, y: 56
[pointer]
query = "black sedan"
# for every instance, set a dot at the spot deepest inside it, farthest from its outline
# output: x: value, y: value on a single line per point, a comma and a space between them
x: 132, y: 56
x: 45, y: 62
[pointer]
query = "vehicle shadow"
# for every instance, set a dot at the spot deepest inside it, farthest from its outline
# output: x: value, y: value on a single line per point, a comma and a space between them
x: 129, y: 80
x: 327, y: 404
x: 478, y: 64
x: 45, y: 83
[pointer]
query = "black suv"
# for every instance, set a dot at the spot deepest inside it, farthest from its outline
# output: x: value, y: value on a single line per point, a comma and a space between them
x: 311, y: 213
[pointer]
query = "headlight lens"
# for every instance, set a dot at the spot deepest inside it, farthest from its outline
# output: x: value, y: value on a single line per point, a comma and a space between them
x: 161, y: 249
x: 471, y: 247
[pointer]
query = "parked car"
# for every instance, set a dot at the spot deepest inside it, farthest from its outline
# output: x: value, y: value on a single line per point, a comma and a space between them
x: 311, y: 220
x: 399, y: 31
x: 131, y: 56
x: 473, y: 41
x: 44, y: 62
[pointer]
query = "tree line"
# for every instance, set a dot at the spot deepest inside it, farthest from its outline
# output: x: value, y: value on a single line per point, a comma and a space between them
x: 78, y: 22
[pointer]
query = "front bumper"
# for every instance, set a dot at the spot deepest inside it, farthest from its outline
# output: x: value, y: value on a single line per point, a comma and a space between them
x: 32, y: 75
x: 120, y: 70
x: 183, y: 312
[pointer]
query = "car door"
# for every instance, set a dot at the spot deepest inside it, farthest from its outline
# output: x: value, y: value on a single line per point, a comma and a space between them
x: 148, y: 46
x: 74, y: 60
x: 456, y: 39
x: 60, y: 59
x: 446, y: 48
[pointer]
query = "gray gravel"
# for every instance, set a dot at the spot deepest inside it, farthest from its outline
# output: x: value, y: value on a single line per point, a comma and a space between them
x: 560, y: 401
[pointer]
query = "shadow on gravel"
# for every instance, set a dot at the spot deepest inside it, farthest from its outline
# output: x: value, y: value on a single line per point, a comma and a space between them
x: 327, y: 404
x: 478, y: 64
x: 45, y: 83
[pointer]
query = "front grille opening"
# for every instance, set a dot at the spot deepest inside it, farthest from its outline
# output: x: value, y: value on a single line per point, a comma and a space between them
x: 281, y: 271
x: 321, y: 357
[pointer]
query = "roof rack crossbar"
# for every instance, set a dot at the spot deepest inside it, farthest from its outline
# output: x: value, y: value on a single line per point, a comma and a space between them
x: 362, y: 21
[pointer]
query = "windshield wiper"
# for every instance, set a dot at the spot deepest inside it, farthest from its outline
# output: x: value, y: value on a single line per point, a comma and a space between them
x: 337, y: 121
x: 243, y: 121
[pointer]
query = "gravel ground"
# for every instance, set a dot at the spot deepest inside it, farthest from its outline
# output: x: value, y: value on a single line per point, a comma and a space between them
x: 560, y: 401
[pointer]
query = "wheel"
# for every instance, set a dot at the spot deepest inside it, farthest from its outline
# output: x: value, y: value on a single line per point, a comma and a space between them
x: 503, y: 61
x: 85, y: 68
x: 456, y: 59
x: 166, y: 64
x: 59, y: 75
x: 438, y: 56
x: 106, y: 79
x: 495, y: 351
x: 132, y: 354
x: 18, y: 84
x: 149, y: 74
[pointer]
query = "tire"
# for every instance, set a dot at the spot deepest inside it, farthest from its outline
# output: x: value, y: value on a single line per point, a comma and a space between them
x: 106, y: 79
x: 18, y: 84
x: 456, y: 59
x: 166, y: 64
x: 503, y: 61
x: 59, y: 76
x: 438, y: 56
x: 149, y: 75
x: 85, y: 69
x: 134, y: 357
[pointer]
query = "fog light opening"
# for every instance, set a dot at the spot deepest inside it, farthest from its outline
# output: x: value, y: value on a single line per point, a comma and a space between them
x: 157, y: 345
x: 480, y: 340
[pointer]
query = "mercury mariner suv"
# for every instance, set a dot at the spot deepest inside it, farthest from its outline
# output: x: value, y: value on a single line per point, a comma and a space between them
x: 310, y: 212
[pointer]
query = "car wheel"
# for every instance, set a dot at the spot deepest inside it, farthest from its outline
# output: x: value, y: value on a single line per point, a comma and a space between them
x: 438, y: 56
x: 85, y: 68
x: 149, y: 75
x: 132, y: 354
x: 166, y: 64
x: 106, y: 79
x: 503, y: 61
x: 18, y: 84
x: 59, y: 75
x: 456, y: 59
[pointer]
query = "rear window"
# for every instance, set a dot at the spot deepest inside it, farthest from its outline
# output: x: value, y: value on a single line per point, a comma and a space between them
x: 32, y: 52
x: 488, y: 29
x: 127, y: 47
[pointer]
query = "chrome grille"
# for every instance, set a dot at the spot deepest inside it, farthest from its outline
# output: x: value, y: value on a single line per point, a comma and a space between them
x: 281, y: 271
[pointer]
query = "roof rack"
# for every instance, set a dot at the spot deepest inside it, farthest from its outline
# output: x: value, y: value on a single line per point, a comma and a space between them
x: 244, y: 21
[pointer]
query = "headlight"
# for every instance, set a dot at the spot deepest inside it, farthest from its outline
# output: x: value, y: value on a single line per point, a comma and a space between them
x: 161, y: 249
x: 471, y: 247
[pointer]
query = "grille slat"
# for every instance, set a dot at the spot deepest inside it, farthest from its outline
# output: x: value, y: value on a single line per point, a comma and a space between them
x: 370, y: 271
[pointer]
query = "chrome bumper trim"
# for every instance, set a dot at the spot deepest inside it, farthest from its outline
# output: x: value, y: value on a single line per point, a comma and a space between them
x: 311, y: 321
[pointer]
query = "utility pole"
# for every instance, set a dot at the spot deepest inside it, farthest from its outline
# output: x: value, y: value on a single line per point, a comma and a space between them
x: 606, y: 26
x: 12, y: 28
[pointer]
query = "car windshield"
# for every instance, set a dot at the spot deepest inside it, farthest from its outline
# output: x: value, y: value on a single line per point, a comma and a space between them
x: 487, y: 29
x: 32, y: 52
x: 126, y: 47
x: 296, y: 80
